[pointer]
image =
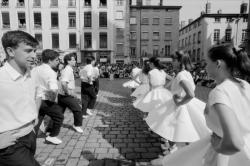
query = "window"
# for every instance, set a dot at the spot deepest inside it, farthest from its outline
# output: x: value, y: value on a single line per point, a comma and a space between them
x: 182, y: 43
x: 119, y: 49
x: 87, y: 19
x: 194, y: 55
x: 72, y: 19
x: 119, y: 33
x: 229, y: 19
x: 144, y: 49
x: 133, y: 51
x: 194, y: 36
x: 156, y: 35
x: 217, y: 19
x: 145, y: 36
x: 54, y: 3
x: 167, y: 35
x: 167, y: 50
x: 133, y: 20
x: 54, y: 20
x: 20, y: 3
x: 155, y: 50
x: 156, y: 21
x: 6, y: 19
x: 87, y: 40
x: 103, y: 19
x: 132, y: 35
x: 199, y: 37
x: 5, y: 3
x: 145, y: 21
x: 37, y: 20
x: 103, y: 3
x: 72, y: 3
x: 55, y: 40
x: 198, y: 54
x: 217, y: 35
x: 186, y: 41
x: 72, y: 40
x: 103, y: 40
x: 37, y: 3
x: 228, y: 35
x: 168, y: 21
x: 39, y: 38
x: 87, y: 3
x: 189, y: 40
x: 244, y: 34
x: 21, y: 20
x: 119, y: 2
x: 119, y: 15
x: 244, y: 19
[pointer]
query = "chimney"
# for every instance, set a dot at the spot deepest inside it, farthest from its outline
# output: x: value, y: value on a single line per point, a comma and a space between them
x: 243, y: 8
x: 161, y: 2
x: 202, y: 12
x: 219, y: 11
x: 208, y: 8
x: 183, y: 23
x: 190, y: 20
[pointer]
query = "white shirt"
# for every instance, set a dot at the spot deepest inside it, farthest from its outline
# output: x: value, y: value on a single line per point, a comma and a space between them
x: 18, y: 108
x: 135, y: 73
x: 46, y: 79
x: 67, y: 75
x: 86, y: 73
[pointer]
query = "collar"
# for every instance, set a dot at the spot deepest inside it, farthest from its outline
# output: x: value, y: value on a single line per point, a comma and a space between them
x: 13, y: 73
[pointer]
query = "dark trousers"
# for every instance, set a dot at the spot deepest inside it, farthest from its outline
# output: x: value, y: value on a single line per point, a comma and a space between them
x: 55, y: 112
x: 96, y: 86
x: 88, y: 95
x: 20, y: 154
x: 73, y: 105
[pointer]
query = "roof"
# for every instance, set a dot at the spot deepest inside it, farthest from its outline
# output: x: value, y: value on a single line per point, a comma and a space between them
x: 156, y: 7
x: 216, y: 15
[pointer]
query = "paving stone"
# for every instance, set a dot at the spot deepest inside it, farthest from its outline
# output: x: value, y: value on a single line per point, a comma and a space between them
x: 72, y: 162
x: 76, y: 153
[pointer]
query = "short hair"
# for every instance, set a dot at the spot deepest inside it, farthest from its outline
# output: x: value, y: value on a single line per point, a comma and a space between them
x: 14, y: 38
x: 48, y: 55
x: 67, y: 58
x: 89, y: 59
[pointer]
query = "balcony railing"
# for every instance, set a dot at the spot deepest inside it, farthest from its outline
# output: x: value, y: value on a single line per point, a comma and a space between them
x: 20, y: 4
x: 4, y: 4
x: 22, y: 26
x: 6, y: 26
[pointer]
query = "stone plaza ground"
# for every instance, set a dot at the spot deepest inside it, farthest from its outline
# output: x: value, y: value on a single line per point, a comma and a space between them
x: 115, y: 136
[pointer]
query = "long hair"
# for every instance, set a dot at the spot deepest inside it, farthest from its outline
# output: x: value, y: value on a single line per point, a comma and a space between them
x: 146, y: 67
x: 184, y: 60
x: 236, y: 60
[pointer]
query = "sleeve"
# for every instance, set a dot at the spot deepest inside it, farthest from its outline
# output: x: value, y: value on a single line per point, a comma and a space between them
x: 52, y: 81
x: 218, y: 96
x: 65, y: 77
x: 181, y: 77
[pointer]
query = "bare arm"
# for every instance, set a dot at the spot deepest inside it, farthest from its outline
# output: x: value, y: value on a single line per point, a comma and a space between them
x: 189, y: 93
x: 232, y: 140
x: 65, y: 87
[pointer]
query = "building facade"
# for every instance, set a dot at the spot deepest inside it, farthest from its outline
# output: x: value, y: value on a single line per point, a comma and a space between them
x: 153, y: 30
x: 212, y: 29
x: 87, y: 27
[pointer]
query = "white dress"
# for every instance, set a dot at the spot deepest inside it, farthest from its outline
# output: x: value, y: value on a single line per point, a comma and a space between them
x: 131, y: 83
x: 185, y: 123
x: 201, y: 153
x: 157, y: 96
x: 144, y: 86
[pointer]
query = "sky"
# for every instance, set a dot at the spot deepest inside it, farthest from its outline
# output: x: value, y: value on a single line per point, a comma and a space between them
x: 193, y: 8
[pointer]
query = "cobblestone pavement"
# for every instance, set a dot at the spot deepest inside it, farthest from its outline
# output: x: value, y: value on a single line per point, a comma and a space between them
x: 115, y: 136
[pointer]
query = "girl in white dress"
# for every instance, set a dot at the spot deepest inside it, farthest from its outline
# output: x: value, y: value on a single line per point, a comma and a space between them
x: 134, y: 82
x: 183, y: 119
x: 143, y: 88
x: 227, y: 115
x: 158, y: 95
